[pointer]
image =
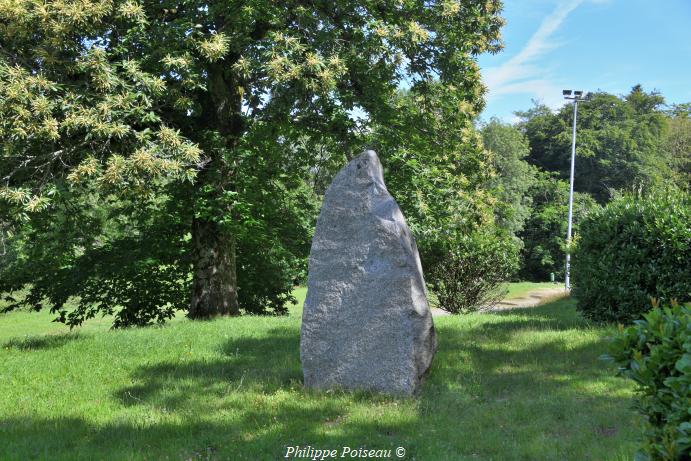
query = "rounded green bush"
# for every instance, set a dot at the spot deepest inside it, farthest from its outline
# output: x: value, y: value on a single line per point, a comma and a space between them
x: 634, y: 249
x: 469, y: 275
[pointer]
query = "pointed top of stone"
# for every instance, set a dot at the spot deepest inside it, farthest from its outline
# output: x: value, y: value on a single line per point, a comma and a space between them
x: 362, y: 171
x: 369, y: 165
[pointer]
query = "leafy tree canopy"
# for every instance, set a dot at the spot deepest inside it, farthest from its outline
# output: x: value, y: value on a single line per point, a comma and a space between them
x: 677, y: 143
x: 121, y: 116
x: 544, y: 234
x: 514, y: 175
x: 619, y: 141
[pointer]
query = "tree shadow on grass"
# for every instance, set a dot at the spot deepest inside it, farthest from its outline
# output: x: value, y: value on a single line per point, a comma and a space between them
x: 488, y: 396
x: 562, y: 310
x: 265, y: 364
x: 536, y: 339
x: 256, y: 387
x: 533, y: 383
x: 43, y: 342
x: 78, y: 439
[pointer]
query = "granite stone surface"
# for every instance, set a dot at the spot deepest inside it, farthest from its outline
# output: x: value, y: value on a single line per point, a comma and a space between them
x: 366, y: 323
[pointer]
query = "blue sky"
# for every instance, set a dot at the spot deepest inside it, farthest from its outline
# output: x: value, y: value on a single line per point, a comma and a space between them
x: 608, y: 45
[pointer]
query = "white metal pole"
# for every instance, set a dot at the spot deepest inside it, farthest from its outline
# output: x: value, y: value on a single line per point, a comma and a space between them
x: 567, y: 275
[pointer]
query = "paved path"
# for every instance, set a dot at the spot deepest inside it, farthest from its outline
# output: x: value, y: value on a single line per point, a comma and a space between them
x: 531, y: 299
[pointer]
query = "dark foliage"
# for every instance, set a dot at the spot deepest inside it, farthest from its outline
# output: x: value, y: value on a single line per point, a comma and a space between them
x: 544, y: 233
x: 619, y: 142
x: 272, y: 251
x: 81, y: 262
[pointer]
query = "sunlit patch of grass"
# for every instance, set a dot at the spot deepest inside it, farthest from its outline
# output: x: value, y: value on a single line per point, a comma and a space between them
x: 520, y: 289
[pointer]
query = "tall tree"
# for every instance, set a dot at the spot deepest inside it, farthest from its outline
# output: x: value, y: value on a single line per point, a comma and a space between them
x: 677, y: 143
x: 439, y: 172
x: 619, y: 143
x: 514, y: 175
x: 436, y: 167
x: 131, y: 98
x: 544, y: 234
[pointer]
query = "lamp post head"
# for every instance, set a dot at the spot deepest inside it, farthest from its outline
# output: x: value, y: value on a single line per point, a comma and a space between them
x: 575, y: 95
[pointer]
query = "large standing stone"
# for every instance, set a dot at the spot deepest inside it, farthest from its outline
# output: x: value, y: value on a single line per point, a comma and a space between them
x: 366, y: 323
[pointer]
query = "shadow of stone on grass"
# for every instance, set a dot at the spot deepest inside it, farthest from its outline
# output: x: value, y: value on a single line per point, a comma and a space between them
x: 258, y: 434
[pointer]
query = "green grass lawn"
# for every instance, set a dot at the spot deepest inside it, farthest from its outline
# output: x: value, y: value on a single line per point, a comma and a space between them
x: 23, y: 323
x: 516, y: 385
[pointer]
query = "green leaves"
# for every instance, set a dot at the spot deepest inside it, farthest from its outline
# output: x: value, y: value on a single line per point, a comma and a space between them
x: 618, y: 147
x: 468, y: 276
x: 544, y: 232
x: 636, y: 248
x: 684, y: 364
x: 656, y: 353
x: 214, y: 47
x: 436, y: 167
x: 228, y: 110
x: 514, y: 178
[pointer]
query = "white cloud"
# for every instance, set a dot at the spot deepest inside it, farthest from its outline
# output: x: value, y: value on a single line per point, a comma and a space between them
x: 521, y: 73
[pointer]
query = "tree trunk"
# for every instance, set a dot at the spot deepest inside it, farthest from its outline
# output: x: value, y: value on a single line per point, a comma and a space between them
x: 214, y: 283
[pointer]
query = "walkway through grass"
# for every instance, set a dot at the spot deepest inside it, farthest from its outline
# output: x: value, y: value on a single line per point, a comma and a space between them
x: 520, y: 289
x: 523, y: 384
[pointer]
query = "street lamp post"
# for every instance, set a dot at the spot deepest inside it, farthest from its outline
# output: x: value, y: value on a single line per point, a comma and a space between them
x: 577, y: 96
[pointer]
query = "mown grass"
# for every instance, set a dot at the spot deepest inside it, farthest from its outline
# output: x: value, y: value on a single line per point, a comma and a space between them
x: 517, y: 385
x: 25, y: 324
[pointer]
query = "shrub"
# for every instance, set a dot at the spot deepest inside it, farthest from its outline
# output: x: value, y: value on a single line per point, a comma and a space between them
x: 656, y: 353
x: 468, y: 276
x: 634, y: 249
